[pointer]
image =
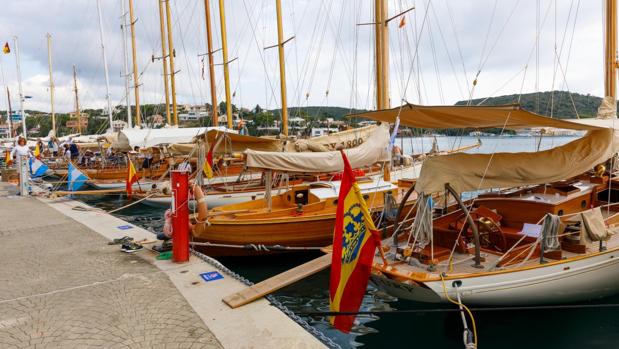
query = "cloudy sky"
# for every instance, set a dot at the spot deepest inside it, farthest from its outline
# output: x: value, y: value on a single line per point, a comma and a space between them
x: 433, y: 58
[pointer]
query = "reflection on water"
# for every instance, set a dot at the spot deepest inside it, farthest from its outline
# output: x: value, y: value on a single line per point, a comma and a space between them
x: 573, y: 328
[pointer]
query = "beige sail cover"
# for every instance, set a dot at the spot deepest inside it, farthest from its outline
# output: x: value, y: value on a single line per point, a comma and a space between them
x: 607, y: 109
x: 457, y: 116
x: 348, y: 139
x: 464, y: 172
x: 373, y: 150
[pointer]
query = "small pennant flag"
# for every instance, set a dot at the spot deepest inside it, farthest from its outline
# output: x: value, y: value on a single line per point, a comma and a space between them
x: 208, y: 164
x: 355, y: 239
x: 402, y: 22
x: 202, y: 67
x: 75, y: 178
x: 37, y: 167
x: 6, y: 49
x: 132, y: 177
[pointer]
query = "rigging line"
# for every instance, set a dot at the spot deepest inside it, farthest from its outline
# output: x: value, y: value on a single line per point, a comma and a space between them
x: 337, y: 43
x: 567, y: 60
x: 451, y: 63
x: 455, y: 35
x: 435, y: 60
x: 416, y: 56
x: 557, y: 57
x: 241, y: 67
x: 190, y: 75
x: 259, y: 51
x: 483, y: 49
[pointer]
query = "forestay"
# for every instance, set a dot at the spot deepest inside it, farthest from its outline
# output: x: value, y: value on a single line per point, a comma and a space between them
x: 371, y: 151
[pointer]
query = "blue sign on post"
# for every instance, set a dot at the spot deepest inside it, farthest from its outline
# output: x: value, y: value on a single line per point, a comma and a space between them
x: 211, y: 276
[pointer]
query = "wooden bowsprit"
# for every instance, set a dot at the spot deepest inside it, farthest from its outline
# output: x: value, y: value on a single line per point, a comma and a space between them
x: 278, y: 281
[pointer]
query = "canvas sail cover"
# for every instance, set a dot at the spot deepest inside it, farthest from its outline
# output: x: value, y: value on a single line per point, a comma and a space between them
x: 371, y: 151
x: 348, y: 139
x: 143, y: 138
x: 464, y: 172
x: 457, y: 116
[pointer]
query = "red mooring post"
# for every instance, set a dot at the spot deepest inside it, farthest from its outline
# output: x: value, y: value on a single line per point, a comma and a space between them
x: 180, y: 217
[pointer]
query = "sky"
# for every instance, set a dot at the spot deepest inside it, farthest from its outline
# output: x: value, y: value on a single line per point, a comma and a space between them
x: 509, y: 46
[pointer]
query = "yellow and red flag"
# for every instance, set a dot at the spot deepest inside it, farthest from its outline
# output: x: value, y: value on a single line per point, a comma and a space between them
x: 37, y: 152
x: 6, y: 48
x: 208, y: 164
x: 355, y: 239
x: 7, y: 158
x: 132, y: 177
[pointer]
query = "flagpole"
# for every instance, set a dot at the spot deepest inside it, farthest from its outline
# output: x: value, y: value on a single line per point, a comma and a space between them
x: 107, y: 78
x: 125, y: 64
x: 78, y: 114
x: 164, y: 59
x: 224, y: 52
x: 51, y: 80
x: 21, y: 93
x: 171, y: 53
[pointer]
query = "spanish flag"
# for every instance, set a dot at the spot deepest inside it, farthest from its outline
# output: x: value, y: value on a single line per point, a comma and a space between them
x: 355, y: 239
x: 37, y: 152
x: 132, y: 177
x: 6, y: 49
x: 208, y: 164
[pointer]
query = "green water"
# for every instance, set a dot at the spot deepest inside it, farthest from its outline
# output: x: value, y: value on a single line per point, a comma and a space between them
x: 568, y: 328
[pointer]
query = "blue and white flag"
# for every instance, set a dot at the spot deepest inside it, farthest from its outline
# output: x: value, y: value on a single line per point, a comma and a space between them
x: 75, y: 178
x: 37, y: 167
x: 395, y: 133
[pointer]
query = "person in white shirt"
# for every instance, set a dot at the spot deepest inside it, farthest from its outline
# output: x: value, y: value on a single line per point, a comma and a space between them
x: 21, y: 149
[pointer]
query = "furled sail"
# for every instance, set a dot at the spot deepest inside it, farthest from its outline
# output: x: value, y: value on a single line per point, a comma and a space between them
x: 129, y: 138
x: 456, y: 116
x: 470, y: 172
x: 371, y: 151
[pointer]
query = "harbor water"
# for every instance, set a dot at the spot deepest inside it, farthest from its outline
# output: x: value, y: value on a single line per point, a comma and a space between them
x: 559, y: 328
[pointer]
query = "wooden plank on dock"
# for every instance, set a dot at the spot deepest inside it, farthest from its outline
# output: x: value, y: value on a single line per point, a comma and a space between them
x: 278, y: 281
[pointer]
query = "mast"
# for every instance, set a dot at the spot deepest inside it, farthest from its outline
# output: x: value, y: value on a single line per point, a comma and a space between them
x: 21, y: 93
x: 282, y: 66
x: 77, y: 102
x: 125, y: 64
x: 171, y: 55
x: 610, y: 56
x: 136, y: 84
x: 10, y: 113
x: 51, y: 80
x: 164, y: 58
x: 211, y: 64
x: 224, y: 49
x: 381, y: 46
x: 107, y: 78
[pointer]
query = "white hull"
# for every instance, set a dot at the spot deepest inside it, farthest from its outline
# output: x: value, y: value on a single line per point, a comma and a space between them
x: 212, y: 200
x: 142, y: 185
x: 588, y: 278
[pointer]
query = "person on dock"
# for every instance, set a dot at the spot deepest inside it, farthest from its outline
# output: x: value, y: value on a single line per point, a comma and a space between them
x: 21, y: 149
x: 67, y: 152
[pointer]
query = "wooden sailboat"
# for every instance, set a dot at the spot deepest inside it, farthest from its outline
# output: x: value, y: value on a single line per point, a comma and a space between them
x: 550, y: 243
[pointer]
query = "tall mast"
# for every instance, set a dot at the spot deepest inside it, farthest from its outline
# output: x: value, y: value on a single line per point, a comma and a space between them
x: 78, y: 114
x: 171, y: 55
x: 21, y: 93
x: 51, y: 80
x: 381, y: 46
x: 136, y: 83
x: 9, y: 113
x: 125, y: 64
x: 282, y: 66
x: 211, y: 64
x: 164, y: 58
x: 224, y: 50
x: 610, y: 56
x: 107, y: 78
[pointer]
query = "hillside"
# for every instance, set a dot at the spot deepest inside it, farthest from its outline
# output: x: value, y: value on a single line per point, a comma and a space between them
x: 540, y: 103
x: 337, y: 113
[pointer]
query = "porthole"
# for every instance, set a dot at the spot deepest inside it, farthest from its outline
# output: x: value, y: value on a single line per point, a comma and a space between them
x: 560, y: 213
x: 583, y: 204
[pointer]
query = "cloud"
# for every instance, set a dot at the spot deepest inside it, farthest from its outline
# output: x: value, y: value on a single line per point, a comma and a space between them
x: 330, y: 59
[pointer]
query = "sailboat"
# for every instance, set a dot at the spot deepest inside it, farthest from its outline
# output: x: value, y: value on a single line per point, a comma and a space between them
x: 549, y: 238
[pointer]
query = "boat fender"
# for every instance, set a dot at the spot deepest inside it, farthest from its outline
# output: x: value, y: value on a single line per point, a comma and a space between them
x: 202, y: 219
x: 167, y: 225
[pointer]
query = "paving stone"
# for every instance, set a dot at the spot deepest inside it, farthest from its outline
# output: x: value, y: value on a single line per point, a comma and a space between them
x: 62, y: 286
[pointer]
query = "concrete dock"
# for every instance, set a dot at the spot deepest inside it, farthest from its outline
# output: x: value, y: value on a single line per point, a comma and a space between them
x: 63, y: 286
